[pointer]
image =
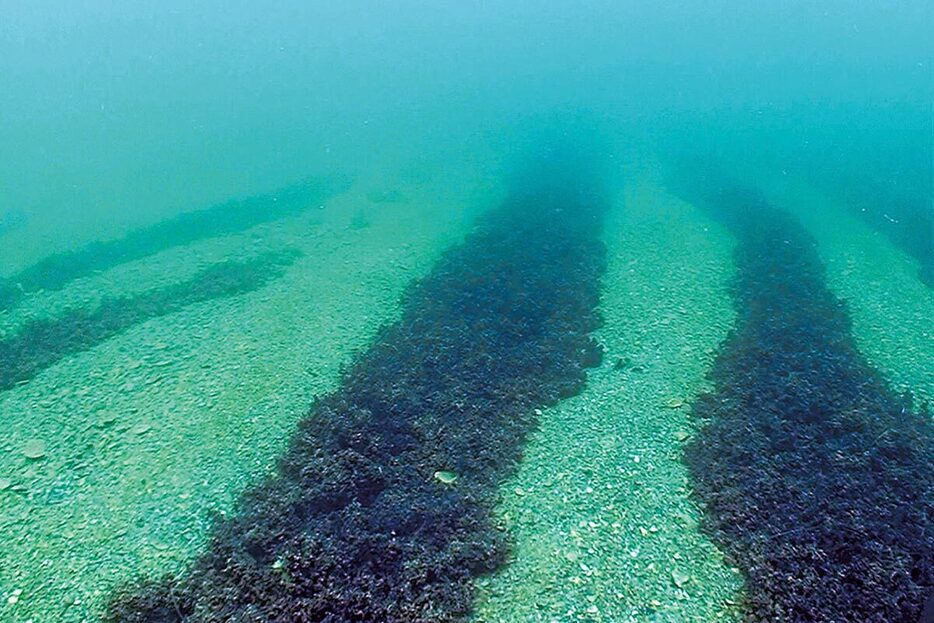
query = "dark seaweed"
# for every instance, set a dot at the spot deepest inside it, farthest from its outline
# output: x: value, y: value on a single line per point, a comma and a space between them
x: 41, y: 343
x: 817, y: 481
x: 354, y: 527
x: 56, y: 271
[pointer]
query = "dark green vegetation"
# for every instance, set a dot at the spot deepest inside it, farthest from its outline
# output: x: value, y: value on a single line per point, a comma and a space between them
x: 381, y: 507
x: 41, y: 343
x: 56, y: 271
x: 816, y: 479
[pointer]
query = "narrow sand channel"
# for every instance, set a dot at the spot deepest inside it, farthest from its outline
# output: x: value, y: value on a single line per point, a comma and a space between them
x: 600, y: 511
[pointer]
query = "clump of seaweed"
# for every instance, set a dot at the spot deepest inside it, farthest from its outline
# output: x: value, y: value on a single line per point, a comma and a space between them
x: 357, y: 525
x: 57, y: 271
x: 816, y: 478
x: 42, y: 343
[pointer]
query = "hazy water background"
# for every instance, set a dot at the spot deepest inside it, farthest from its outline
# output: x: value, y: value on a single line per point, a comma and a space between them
x: 120, y: 113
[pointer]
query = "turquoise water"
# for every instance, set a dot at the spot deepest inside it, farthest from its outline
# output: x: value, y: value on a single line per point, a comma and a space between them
x: 450, y: 311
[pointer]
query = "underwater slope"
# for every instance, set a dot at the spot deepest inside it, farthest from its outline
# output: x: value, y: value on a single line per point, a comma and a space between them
x: 362, y: 521
x: 56, y: 271
x: 817, y: 479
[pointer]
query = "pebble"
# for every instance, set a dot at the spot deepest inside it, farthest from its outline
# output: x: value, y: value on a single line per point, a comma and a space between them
x: 5, y: 483
x: 140, y: 429
x: 679, y: 578
x: 34, y: 449
x: 107, y: 418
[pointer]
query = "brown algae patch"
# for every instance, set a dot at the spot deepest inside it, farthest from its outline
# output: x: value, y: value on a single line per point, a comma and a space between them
x: 604, y: 527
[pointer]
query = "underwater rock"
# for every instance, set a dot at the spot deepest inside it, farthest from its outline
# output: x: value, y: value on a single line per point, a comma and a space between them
x: 34, y: 449
x: 679, y: 578
x: 140, y: 429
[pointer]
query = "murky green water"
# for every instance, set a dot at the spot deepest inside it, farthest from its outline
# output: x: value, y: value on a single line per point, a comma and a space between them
x: 213, y: 222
